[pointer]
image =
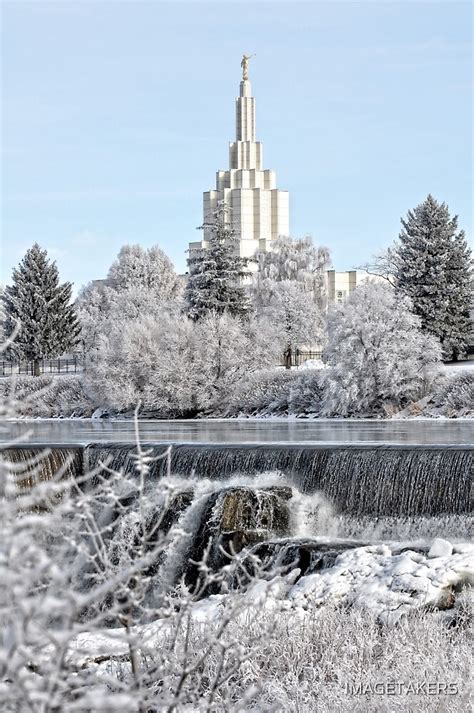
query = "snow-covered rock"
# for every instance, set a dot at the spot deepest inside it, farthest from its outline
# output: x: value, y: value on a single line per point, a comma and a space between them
x: 440, y: 548
x: 100, y: 413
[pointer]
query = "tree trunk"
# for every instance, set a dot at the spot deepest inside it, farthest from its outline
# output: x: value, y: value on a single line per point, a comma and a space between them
x: 36, y: 367
x: 288, y: 358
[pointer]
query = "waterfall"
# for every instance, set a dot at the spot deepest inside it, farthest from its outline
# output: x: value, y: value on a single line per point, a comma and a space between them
x: 288, y: 506
x: 358, y: 481
x: 373, y: 493
x: 33, y: 465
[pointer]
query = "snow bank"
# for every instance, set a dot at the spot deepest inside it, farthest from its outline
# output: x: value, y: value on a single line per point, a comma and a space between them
x: 377, y: 579
x: 389, y: 584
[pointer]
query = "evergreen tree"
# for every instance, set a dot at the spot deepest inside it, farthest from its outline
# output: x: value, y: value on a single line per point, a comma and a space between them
x: 38, y: 306
x: 215, y: 272
x: 433, y: 267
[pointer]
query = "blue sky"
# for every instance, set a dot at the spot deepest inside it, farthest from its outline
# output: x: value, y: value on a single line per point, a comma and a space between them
x: 116, y: 116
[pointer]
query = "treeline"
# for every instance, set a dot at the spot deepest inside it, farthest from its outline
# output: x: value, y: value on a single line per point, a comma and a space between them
x: 182, y: 347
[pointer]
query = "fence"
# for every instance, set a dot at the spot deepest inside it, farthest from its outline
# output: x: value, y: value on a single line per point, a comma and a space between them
x: 73, y: 365
x: 298, y: 357
x: 63, y: 365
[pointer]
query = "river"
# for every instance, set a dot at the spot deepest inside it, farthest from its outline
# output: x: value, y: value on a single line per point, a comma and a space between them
x: 321, y: 432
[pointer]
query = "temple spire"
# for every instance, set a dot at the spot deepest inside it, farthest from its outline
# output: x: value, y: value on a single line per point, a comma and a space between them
x: 259, y: 209
x: 245, y: 115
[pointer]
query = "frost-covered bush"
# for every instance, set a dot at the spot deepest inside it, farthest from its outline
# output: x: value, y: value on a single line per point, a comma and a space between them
x: 226, y: 350
x: 64, y: 581
x: 306, y: 392
x: 378, y: 356
x: 146, y: 360
x: 262, y: 393
x: 320, y: 663
x: 455, y: 394
x: 274, y: 392
x: 48, y: 396
x: 172, y: 365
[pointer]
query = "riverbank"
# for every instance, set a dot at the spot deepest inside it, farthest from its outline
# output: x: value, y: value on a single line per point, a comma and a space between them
x: 451, y: 397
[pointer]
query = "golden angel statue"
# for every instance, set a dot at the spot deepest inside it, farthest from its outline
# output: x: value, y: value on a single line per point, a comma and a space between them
x: 245, y: 66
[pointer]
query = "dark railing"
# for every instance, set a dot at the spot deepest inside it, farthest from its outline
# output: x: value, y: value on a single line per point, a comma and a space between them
x: 298, y: 357
x: 73, y: 365
x: 61, y: 365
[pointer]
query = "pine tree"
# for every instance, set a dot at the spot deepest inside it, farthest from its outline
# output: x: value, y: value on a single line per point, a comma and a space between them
x: 38, y: 306
x: 434, y: 268
x: 216, y: 272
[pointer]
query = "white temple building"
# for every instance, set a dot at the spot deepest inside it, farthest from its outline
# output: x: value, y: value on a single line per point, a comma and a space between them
x: 259, y: 210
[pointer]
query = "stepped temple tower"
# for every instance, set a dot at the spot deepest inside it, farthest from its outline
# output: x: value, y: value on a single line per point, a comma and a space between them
x: 259, y: 210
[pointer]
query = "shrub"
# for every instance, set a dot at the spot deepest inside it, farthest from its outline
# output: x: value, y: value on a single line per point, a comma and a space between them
x: 261, y: 393
x: 275, y: 392
x: 47, y: 396
x: 306, y: 392
x: 455, y: 394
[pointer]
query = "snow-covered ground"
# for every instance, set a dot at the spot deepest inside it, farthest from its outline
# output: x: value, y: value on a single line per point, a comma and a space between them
x: 375, y: 578
x: 456, y: 367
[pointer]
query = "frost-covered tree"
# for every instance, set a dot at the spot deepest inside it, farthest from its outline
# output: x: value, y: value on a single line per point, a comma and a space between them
x: 172, y: 365
x: 434, y: 269
x: 216, y: 271
x: 289, y: 292
x: 139, y: 282
x: 150, y: 269
x: 377, y: 353
x: 294, y: 316
x: 144, y: 359
x: 296, y: 260
x: 382, y: 265
x: 93, y: 306
x: 40, y: 305
x: 226, y: 349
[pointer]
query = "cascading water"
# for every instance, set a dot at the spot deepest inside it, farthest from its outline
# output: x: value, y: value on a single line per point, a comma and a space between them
x: 32, y: 465
x: 382, y: 481
x: 371, y: 493
x: 334, y: 514
x: 299, y: 519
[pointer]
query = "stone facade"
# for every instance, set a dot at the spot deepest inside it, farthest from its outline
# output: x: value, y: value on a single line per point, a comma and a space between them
x: 259, y: 210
